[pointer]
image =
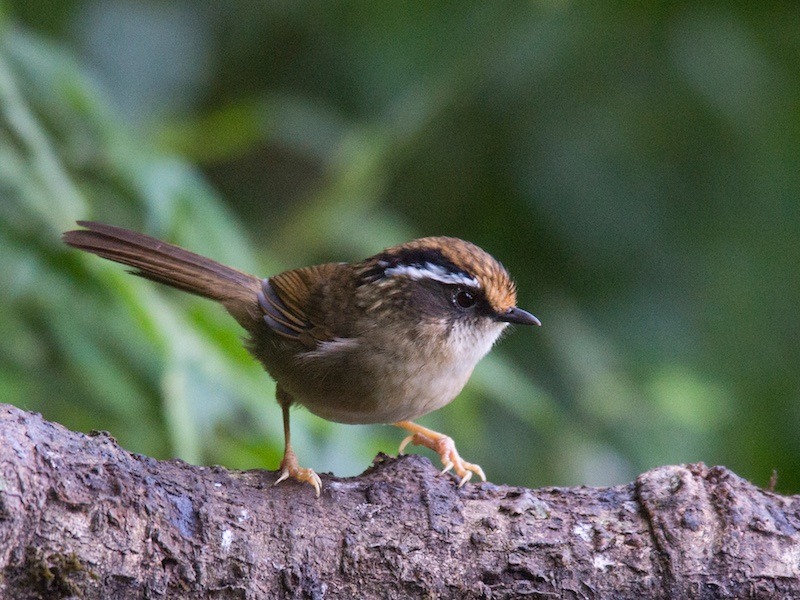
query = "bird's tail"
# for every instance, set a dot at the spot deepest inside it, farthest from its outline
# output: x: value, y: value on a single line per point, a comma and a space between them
x: 170, y: 265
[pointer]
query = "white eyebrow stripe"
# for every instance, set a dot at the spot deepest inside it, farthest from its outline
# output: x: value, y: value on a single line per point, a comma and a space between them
x: 432, y: 271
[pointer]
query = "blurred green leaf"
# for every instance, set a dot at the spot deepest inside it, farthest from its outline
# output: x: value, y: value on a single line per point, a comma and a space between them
x: 633, y: 165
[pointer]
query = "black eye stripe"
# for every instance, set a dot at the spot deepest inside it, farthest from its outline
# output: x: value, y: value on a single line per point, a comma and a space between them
x: 417, y: 263
x: 418, y: 256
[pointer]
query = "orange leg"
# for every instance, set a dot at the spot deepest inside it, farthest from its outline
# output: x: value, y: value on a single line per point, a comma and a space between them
x: 289, y: 465
x: 444, y: 446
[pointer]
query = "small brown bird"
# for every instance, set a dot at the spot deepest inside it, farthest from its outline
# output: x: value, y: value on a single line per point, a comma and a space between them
x: 384, y: 340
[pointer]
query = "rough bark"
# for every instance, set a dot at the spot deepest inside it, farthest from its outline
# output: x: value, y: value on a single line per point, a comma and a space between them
x: 81, y: 517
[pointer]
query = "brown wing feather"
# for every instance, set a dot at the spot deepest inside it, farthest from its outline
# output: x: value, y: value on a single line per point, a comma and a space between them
x: 287, y: 302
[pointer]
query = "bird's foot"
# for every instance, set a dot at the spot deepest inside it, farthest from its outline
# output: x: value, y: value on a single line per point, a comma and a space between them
x: 444, y: 446
x: 291, y: 468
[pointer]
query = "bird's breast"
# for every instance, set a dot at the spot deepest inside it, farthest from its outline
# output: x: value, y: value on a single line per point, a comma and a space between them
x: 369, y: 381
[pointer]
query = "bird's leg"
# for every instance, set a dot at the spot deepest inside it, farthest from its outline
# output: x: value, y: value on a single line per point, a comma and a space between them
x: 444, y: 446
x: 289, y: 465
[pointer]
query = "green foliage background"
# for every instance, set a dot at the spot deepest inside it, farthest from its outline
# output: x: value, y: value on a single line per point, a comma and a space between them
x: 636, y: 166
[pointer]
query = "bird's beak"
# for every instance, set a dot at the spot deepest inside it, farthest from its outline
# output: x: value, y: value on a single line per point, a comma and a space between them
x: 518, y: 316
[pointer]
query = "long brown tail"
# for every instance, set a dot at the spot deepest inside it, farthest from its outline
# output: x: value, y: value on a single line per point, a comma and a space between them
x: 171, y: 265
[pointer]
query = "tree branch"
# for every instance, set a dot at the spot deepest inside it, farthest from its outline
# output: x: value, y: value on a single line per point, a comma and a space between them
x: 79, y: 516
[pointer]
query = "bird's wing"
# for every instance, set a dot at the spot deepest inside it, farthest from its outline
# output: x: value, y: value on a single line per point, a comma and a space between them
x: 287, y: 303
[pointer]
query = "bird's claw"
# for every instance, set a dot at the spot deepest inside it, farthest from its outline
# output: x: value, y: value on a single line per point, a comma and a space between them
x: 290, y: 468
x: 445, y: 447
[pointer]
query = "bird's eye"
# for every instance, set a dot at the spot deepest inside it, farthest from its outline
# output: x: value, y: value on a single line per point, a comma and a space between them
x: 464, y: 299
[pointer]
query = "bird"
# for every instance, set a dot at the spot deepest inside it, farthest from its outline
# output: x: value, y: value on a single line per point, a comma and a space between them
x: 384, y: 340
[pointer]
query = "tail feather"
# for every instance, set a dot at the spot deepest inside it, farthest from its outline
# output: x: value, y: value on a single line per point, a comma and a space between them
x: 171, y: 265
